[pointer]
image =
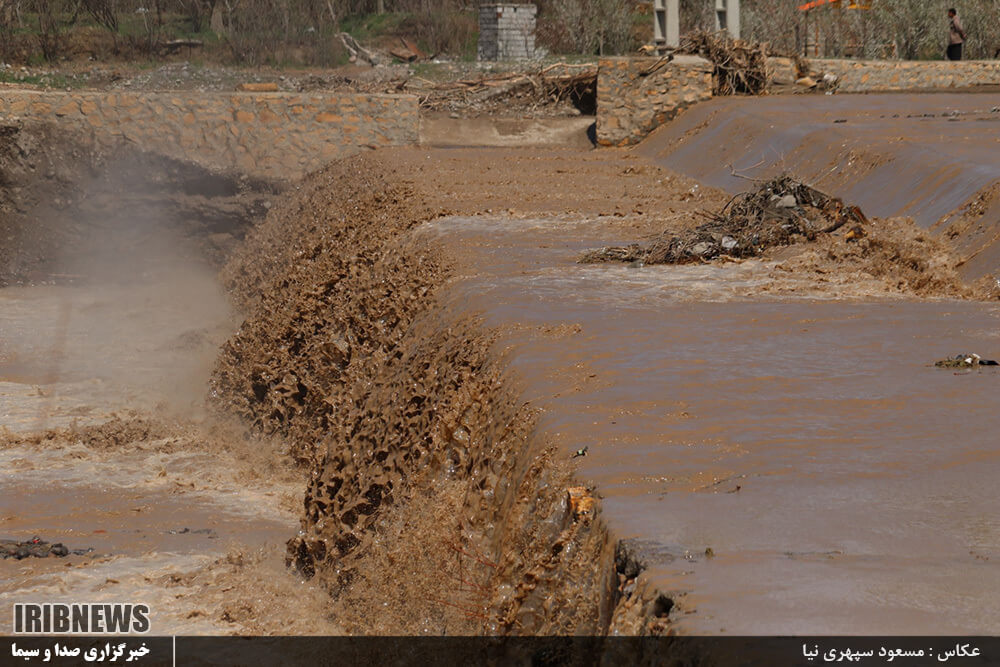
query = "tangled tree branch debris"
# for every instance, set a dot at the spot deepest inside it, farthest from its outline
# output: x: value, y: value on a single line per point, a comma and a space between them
x: 543, y: 86
x: 740, y: 67
x: 358, y: 52
x: 779, y: 212
x: 526, y: 91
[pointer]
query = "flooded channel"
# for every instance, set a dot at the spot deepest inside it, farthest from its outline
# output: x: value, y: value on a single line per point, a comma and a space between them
x: 770, y: 433
x: 795, y: 465
x: 109, y: 451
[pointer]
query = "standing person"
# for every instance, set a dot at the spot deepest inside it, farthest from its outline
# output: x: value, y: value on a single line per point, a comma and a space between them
x: 956, y: 35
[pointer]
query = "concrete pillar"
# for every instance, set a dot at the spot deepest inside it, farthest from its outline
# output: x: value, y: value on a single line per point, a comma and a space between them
x: 727, y: 15
x: 666, y: 23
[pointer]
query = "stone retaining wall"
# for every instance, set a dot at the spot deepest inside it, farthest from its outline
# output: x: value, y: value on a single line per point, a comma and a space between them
x: 872, y: 76
x: 270, y: 135
x: 637, y: 95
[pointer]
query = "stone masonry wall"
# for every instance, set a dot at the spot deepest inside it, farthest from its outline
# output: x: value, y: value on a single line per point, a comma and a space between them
x: 270, y: 135
x: 869, y: 76
x: 506, y: 31
x: 637, y: 95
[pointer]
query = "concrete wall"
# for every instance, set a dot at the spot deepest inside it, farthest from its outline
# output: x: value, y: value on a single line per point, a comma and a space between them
x: 270, y: 135
x: 506, y: 31
x: 637, y: 95
x: 869, y: 76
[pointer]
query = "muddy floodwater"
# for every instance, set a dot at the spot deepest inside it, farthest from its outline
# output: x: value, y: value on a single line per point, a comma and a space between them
x: 76, y: 355
x: 79, y: 352
x: 402, y: 360
x: 795, y: 465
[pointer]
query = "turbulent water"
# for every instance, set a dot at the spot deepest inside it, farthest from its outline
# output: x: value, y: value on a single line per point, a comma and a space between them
x: 445, y: 424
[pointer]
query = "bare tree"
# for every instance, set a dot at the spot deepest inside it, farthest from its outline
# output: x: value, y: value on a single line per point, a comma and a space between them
x: 596, y: 26
x: 50, y: 39
x: 105, y: 12
x: 907, y: 29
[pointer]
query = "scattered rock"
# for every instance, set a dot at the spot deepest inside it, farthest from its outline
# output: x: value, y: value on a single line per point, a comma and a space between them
x: 855, y: 233
x: 702, y: 248
x: 200, y: 531
x: 37, y: 548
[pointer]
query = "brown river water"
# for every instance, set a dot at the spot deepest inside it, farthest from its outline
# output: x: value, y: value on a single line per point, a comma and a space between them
x: 841, y: 482
x: 782, y: 447
x: 75, y: 355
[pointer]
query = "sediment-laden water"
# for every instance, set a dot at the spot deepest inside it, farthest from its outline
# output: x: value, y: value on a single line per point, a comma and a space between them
x: 444, y: 424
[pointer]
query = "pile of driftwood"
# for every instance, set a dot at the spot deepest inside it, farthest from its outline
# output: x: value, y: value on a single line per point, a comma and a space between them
x: 740, y: 67
x: 521, y: 91
x: 779, y: 212
x: 541, y: 87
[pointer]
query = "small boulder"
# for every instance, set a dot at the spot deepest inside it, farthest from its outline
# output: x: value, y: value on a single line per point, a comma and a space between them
x: 702, y: 248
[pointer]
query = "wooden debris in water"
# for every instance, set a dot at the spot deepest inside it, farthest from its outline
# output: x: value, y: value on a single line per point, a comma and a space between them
x: 779, y: 212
